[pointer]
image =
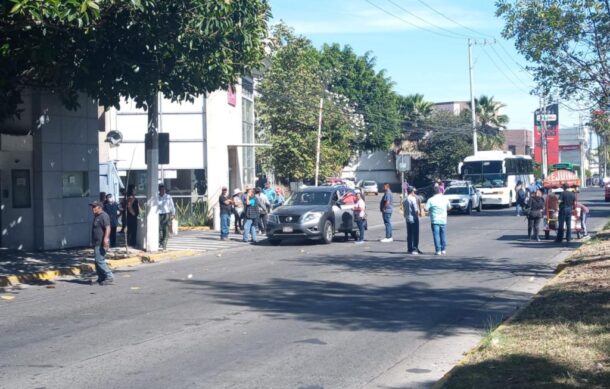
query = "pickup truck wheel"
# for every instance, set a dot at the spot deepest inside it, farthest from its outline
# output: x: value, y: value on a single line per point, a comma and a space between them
x: 469, y: 209
x: 480, y: 207
x: 327, y: 232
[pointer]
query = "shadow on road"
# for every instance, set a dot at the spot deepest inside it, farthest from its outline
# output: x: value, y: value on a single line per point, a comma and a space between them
x: 343, y: 306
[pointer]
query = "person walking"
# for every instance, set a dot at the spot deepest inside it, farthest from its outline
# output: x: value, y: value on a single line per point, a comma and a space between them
x: 584, y: 214
x: 123, y: 209
x: 264, y: 206
x: 360, y: 216
x: 386, y: 208
x: 238, y: 210
x: 252, y: 215
x: 521, y: 197
x: 225, y: 213
x: 535, y: 205
x: 133, y: 211
x: 411, y: 213
x: 112, y: 209
x: 167, y: 213
x: 100, y: 239
x: 437, y: 206
x: 567, y: 198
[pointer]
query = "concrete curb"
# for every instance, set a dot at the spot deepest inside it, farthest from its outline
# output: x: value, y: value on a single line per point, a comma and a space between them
x: 48, y: 275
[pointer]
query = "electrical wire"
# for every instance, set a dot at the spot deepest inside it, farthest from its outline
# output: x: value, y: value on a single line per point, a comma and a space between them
x: 503, y: 73
x: 452, y: 20
x: 426, y: 21
x: 412, y: 24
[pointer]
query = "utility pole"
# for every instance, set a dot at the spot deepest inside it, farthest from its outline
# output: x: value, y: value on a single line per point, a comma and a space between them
x: 319, y: 140
x: 581, y: 139
x: 543, y: 139
x: 472, y: 103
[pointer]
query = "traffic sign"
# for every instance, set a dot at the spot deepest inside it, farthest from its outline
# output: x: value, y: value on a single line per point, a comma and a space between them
x: 403, y: 163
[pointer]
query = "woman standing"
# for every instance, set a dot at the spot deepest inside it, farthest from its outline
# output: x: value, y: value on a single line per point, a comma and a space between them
x: 536, y: 207
x: 133, y: 210
x: 252, y: 215
x: 359, y: 216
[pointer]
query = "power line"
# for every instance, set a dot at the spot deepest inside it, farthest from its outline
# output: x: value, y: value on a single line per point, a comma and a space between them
x: 411, y: 24
x: 508, y: 67
x: 503, y: 73
x: 452, y: 20
x: 425, y: 21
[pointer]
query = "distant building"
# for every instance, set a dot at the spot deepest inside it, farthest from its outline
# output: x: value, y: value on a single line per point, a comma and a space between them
x: 455, y: 107
x: 519, y: 141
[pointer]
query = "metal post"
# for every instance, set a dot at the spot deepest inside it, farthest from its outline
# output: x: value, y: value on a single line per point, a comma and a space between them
x: 152, y: 180
x: 472, y: 103
x: 319, y: 140
x: 543, y: 139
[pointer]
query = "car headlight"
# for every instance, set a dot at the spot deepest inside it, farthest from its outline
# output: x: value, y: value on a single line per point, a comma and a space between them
x: 312, y: 217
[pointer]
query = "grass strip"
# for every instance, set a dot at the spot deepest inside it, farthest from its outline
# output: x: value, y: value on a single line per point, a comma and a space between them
x: 560, y: 340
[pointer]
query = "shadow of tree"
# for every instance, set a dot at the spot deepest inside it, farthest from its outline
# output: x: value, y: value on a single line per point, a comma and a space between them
x: 343, y: 306
x: 523, y: 371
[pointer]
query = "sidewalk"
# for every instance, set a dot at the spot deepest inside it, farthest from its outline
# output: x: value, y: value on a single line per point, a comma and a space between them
x: 17, y: 267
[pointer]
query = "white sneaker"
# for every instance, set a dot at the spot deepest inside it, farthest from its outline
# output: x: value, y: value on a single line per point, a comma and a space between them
x: 359, y: 242
x: 387, y: 240
x: 444, y: 252
x: 437, y: 253
x: 414, y: 253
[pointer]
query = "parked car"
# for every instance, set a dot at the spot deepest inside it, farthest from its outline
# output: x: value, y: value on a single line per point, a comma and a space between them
x: 315, y: 213
x: 368, y: 186
x: 464, y: 197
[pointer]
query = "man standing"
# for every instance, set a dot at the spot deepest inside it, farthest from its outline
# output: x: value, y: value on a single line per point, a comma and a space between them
x: 411, y: 213
x: 437, y: 206
x: 252, y: 216
x: 264, y: 206
x: 112, y: 209
x: 567, y: 198
x: 100, y: 238
x: 167, y: 212
x: 385, y: 206
x: 225, y: 213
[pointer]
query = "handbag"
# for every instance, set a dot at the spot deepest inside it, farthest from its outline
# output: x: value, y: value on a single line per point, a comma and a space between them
x: 173, y: 227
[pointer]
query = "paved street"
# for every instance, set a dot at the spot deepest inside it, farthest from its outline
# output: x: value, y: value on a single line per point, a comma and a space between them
x: 295, y: 316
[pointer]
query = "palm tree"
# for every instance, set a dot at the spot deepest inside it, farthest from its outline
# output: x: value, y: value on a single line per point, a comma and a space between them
x: 415, y: 109
x: 490, y: 123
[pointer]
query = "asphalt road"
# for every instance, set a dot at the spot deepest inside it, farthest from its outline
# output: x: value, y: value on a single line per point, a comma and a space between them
x: 293, y: 316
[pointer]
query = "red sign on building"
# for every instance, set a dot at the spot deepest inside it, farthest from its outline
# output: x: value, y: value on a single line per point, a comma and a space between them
x: 551, y: 116
x: 231, y: 96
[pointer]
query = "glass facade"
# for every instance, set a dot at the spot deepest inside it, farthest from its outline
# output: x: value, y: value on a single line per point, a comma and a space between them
x: 248, y: 156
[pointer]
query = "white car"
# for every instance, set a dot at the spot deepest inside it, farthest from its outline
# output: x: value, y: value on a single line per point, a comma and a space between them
x: 369, y: 186
x: 464, y: 197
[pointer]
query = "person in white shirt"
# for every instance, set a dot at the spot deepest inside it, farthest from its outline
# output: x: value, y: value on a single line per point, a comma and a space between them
x: 437, y: 206
x: 167, y: 212
x: 360, y: 217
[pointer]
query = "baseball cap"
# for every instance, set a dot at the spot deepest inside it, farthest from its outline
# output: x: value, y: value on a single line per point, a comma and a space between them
x: 411, y: 189
x: 95, y: 204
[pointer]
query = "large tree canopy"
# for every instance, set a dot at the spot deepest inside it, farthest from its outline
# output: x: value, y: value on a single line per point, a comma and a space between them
x: 111, y: 49
x: 569, y: 42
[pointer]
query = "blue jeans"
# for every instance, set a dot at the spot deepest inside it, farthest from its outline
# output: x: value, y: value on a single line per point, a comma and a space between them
x: 225, y: 220
x: 101, y: 267
x: 413, y: 236
x: 440, y: 237
x: 565, y: 224
x: 250, y: 228
x: 360, y: 224
x: 387, y: 221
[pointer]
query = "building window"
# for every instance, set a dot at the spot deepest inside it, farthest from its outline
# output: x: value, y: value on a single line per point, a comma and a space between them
x: 75, y: 184
x: 248, y: 158
x: 528, y: 150
x: 22, y: 194
x: 512, y: 149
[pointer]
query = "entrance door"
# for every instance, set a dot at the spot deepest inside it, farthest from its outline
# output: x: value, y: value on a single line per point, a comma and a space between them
x: 234, y: 181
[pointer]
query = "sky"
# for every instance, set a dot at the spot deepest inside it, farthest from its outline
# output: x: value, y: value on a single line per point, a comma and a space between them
x: 422, y: 45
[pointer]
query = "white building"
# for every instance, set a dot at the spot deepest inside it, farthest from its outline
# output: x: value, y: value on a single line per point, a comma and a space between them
x: 48, y: 174
x: 211, y: 144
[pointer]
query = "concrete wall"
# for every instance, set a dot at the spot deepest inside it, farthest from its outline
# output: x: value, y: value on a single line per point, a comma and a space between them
x: 519, y: 138
x: 68, y: 143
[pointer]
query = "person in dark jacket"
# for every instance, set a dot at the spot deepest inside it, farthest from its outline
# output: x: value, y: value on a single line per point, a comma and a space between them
x: 521, y: 197
x: 536, y: 207
x: 252, y: 216
x: 567, y: 199
x: 133, y: 210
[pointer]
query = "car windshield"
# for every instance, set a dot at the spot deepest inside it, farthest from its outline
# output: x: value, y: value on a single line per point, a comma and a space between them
x: 460, y: 190
x: 309, y: 198
x: 369, y: 183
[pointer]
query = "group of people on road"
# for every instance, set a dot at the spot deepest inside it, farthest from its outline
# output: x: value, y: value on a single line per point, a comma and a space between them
x: 534, y: 203
x: 249, y: 210
x: 105, y: 223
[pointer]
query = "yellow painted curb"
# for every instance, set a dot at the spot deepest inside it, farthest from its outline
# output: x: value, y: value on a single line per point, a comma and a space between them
x: 49, y: 275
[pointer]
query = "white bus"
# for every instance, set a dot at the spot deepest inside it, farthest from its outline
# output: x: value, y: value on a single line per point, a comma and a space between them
x: 496, y: 173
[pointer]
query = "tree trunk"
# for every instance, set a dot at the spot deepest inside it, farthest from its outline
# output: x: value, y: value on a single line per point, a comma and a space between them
x: 151, y: 242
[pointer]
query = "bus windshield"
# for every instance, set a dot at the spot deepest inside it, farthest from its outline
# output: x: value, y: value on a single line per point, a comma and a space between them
x: 486, y: 174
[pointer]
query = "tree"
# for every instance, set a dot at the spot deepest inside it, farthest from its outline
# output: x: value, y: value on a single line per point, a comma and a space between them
x: 490, y: 123
x: 414, y: 110
x: 369, y: 91
x: 288, y: 108
x: 136, y: 49
x: 567, y: 40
